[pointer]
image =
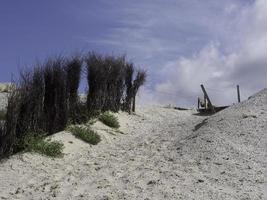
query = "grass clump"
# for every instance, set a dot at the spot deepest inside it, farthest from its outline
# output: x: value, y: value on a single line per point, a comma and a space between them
x: 2, y: 115
x: 85, y: 134
x: 40, y: 145
x: 45, y: 99
x: 109, y: 119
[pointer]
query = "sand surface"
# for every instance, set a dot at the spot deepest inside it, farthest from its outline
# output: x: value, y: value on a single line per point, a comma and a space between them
x: 162, y: 154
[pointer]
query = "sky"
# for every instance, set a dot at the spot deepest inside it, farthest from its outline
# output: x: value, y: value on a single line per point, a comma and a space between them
x: 180, y: 43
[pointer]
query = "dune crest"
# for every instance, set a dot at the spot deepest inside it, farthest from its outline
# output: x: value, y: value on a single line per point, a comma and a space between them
x: 158, y: 153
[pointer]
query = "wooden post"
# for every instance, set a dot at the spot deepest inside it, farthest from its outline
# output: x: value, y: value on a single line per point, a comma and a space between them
x: 133, y: 104
x: 206, y: 105
x: 207, y: 97
x: 238, y: 93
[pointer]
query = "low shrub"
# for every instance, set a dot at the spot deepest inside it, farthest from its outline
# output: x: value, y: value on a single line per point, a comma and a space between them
x: 40, y: 145
x: 85, y: 134
x: 109, y: 119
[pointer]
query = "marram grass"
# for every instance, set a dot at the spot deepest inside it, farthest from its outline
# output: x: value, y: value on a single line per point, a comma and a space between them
x: 109, y: 119
x: 85, y: 134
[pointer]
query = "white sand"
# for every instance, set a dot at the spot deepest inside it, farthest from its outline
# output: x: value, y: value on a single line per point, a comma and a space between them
x: 5, y: 87
x: 159, y: 156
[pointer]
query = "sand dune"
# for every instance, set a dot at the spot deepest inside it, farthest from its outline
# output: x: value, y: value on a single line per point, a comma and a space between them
x: 5, y: 87
x: 160, y: 153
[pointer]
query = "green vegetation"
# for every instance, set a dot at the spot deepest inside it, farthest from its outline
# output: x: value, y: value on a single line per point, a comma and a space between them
x: 91, y: 121
x: 2, y: 115
x: 45, y: 99
x: 109, y: 119
x: 85, y: 134
x: 40, y: 145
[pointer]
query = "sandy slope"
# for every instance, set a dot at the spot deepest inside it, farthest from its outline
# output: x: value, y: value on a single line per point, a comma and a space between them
x: 161, y: 155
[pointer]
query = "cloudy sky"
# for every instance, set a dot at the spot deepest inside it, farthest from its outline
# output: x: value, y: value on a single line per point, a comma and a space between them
x: 181, y: 43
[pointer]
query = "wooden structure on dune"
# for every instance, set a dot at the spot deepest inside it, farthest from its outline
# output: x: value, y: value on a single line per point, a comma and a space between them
x: 206, y: 107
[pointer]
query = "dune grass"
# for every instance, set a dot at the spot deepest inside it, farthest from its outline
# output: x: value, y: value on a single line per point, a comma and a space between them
x: 46, y: 99
x: 85, y: 134
x: 40, y: 145
x: 2, y: 115
x: 109, y: 119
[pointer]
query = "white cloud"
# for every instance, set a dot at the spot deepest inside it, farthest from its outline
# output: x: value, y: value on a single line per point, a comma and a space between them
x: 182, y: 78
x: 220, y: 72
x: 184, y: 43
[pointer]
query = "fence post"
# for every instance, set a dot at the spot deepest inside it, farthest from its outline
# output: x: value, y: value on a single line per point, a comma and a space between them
x: 133, y: 104
x: 238, y: 93
x: 207, y: 97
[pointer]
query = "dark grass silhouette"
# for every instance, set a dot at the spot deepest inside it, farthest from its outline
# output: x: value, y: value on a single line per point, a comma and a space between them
x: 2, y: 115
x: 46, y: 98
x: 73, y: 72
x: 55, y: 98
x: 105, y: 77
x: 8, y: 129
x: 111, y: 83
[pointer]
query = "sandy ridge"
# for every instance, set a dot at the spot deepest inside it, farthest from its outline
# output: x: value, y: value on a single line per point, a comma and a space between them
x: 161, y: 155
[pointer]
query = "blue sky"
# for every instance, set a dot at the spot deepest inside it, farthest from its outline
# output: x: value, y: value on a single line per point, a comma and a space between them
x: 181, y: 43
